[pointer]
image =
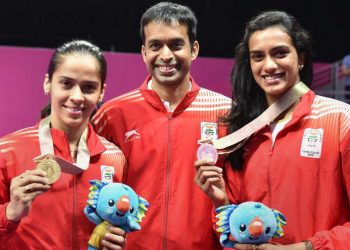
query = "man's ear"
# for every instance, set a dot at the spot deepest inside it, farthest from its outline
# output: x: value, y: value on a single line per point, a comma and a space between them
x: 143, y: 52
x: 195, y: 50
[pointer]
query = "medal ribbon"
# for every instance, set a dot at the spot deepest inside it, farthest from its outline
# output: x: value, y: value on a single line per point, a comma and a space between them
x: 269, y: 115
x: 47, y: 150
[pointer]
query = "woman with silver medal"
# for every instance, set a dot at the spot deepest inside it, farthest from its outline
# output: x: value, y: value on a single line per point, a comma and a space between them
x: 298, y: 162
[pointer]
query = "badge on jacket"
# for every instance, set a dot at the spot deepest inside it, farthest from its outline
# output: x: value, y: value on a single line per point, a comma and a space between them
x: 209, y: 130
x: 107, y: 173
x: 311, y: 145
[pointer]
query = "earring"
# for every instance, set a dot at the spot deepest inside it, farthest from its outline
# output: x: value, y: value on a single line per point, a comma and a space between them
x: 301, y: 67
x: 46, y: 92
x: 99, y: 103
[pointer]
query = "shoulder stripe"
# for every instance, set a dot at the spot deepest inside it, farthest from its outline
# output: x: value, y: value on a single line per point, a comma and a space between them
x: 207, y: 92
x: 322, y: 113
x: 324, y: 106
x: 96, y: 120
x: 129, y: 95
x: 210, y: 101
x: 331, y: 110
x: 133, y: 99
x: 112, y: 151
x: 111, y: 148
x: 26, y: 132
x: 220, y: 97
x: 4, y: 142
x: 136, y: 96
x: 4, y: 150
x: 208, y: 108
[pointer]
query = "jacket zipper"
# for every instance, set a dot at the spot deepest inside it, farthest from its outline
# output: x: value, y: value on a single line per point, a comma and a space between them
x: 269, y: 175
x: 269, y: 189
x: 167, y: 185
x: 74, y: 224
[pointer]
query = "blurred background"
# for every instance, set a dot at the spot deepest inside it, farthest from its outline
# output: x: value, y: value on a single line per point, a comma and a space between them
x: 114, y: 24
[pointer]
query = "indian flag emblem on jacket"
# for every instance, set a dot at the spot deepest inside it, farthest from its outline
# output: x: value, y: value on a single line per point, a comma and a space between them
x: 209, y: 131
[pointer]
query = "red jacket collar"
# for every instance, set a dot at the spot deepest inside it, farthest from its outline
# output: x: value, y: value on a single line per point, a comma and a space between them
x: 94, y: 144
x: 153, y: 98
x: 304, y: 106
x: 302, y: 109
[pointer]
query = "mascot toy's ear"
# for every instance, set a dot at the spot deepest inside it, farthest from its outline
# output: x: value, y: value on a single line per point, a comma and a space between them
x: 223, y: 223
x: 90, y: 209
x: 143, y: 207
x: 280, y: 221
x: 135, y: 221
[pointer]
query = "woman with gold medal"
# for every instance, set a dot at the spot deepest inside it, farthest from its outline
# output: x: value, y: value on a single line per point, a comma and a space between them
x: 45, y: 169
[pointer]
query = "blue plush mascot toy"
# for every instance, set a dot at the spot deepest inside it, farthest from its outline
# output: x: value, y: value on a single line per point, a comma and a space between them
x: 248, y: 223
x: 113, y: 204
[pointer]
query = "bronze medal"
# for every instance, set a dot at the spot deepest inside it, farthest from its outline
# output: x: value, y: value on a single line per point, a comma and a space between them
x: 52, y: 169
x: 208, y: 152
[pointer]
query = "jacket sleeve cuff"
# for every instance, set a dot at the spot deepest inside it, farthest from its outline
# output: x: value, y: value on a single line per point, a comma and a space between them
x: 6, y: 224
x: 316, y: 243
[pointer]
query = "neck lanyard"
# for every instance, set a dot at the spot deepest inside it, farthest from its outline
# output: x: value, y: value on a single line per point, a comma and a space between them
x: 47, y: 150
x: 269, y: 115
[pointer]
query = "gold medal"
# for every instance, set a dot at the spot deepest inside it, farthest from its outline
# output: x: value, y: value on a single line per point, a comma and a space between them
x: 52, y: 169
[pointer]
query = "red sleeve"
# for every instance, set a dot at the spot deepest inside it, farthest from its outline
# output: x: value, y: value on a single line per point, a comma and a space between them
x: 121, y: 167
x: 338, y: 238
x: 110, y: 122
x: 101, y: 123
x: 232, y: 184
x: 228, y: 176
x: 6, y: 226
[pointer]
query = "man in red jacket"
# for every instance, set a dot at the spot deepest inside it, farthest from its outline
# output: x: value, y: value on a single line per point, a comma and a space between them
x: 158, y: 126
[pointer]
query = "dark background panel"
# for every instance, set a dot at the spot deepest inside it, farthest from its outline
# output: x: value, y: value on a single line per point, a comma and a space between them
x: 114, y: 24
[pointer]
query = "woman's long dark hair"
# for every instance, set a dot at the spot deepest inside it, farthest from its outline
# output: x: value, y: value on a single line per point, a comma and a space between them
x: 249, y: 99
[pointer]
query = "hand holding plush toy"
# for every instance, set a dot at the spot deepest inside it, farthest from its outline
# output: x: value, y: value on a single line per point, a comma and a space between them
x: 249, y: 222
x: 113, y: 204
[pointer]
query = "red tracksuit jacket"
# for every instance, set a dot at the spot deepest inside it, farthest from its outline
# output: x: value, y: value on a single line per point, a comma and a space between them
x: 305, y: 174
x: 160, y: 148
x: 56, y: 220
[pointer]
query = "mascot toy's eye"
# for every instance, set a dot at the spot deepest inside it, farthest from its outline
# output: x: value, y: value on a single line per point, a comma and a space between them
x: 111, y: 203
x: 248, y: 223
x: 131, y: 210
x: 242, y: 227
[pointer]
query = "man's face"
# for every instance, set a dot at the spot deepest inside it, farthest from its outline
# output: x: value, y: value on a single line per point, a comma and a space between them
x: 167, y: 53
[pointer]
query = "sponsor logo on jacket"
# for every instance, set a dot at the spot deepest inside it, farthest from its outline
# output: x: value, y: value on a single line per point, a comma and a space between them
x: 132, y: 135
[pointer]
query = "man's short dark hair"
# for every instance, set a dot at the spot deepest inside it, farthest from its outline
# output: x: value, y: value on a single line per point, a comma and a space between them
x: 166, y: 12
